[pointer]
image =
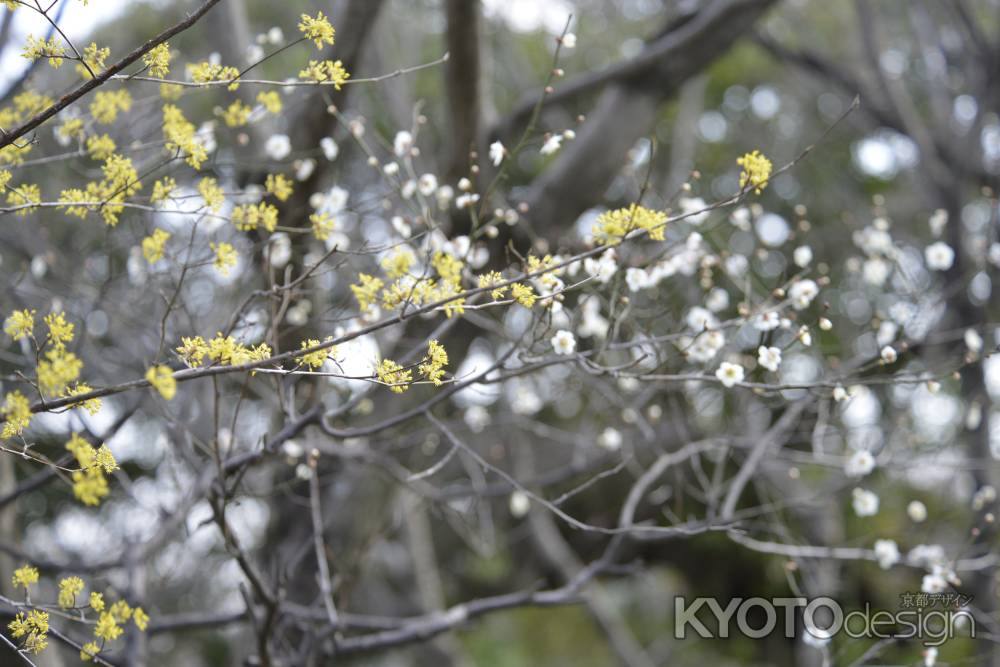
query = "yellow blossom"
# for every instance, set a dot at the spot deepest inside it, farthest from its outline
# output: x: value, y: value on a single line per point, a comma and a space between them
x: 91, y: 405
x: 756, y: 171
x: 366, y: 291
x: 152, y: 245
x: 35, y: 48
x: 523, y: 294
x: 390, y: 373
x: 213, y: 195
x: 16, y: 410
x: 157, y: 60
x: 236, y: 114
x: 100, y: 147
x: 140, y: 618
x: 24, y: 576
x: 317, y: 29
x: 89, y: 651
x: 615, y: 225
x: 94, y: 56
x: 322, y: 225
x: 181, y: 136
x: 107, y: 628
x: 96, y: 602
x: 27, y: 195
x: 206, y: 72
x: 279, y: 186
x: 162, y: 379
x: 315, y: 359
x: 398, y: 263
x: 20, y: 324
x: 270, y: 100
x: 108, y: 104
x: 69, y: 588
x: 163, y: 189
x: 225, y: 257
x: 325, y: 70
x: 247, y: 217
x: 433, y: 365
x: 60, y: 331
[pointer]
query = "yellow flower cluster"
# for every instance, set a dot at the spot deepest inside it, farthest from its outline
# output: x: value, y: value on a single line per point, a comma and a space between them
x: 213, y: 195
x: 33, y: 628
x: 157, y: 60
x: 163, y: 189
x: 315, y: 359
x: 279, y: 185
x: 615, y: 225
x: 152, y: 245
x: 108, y: 104
x: 89, y: 482
x: 100, y: 146
x: 60, y: 331
x: 72, y: 128
x: 247, y: 217
x: 206, y: 72
x: 221, y: 349
x: 16, y: 411
x: 524, y: 294
x: 366, y: 291
x: 162, y: 380
x: 236, y: 114
x: 398, y: 263
x: 225, y: 257
x: 35, y: 48
x: 395, y: 376
x: 756, y: 171
x: 180, y: 135
x: 490, y: 279
x: 120, y: 182
x: 58, y: 370
x: 20, y: 324
x: 27, y: 195
x: 26, y: 104
x: 94, y: 56
x: 24, y: 576
x: 433, y: 364
x: 319, y: 71
x: 322, y: 225
x: 91, y: 405
x: 270, y: 100
x: 317, y: 29
x: 69, y: 588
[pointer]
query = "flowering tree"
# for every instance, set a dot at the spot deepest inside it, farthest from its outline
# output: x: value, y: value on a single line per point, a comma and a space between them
x: 287, y: 362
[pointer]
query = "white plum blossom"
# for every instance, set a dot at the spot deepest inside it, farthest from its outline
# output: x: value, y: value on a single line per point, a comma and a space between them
x: 519, y: 504
x: 859, y: 464
x: 704, y: 347
x: 593, y: 323
x: 604, y: 268
x: 973, y: 341
x: 729, y: 374
x: 564, y: 342
x: 804, y: 336
x: 466, y: 200
x: 840, y: 394
x: 551, y: 145
x: 741, y: 218
x: 569, y: 40
x: 769, y: 357
x: 391, y: 169
x: 737, y: 265
x: 803, y: 256
x: 802, y: 293
x: 693, y: 210
x: 330, y: 148
x: 939, y: 256
x: 937, y: 221
x: 497, y: 152
x: 427, y: 185
x: 886, y: 553
x: 865, y: 502
x: 888, y: 354
x: 278, y: 146
x: 717, y: 299
x: 637, y: 279
x: 610, y: 439
x: 935, y: 582
x: 769, y: 320
x: 402, y: 143
x: 445, y: 194
x: 477, y: 418
x: 917, y: 511
x: 876, y: 271
x: 700, y: 319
